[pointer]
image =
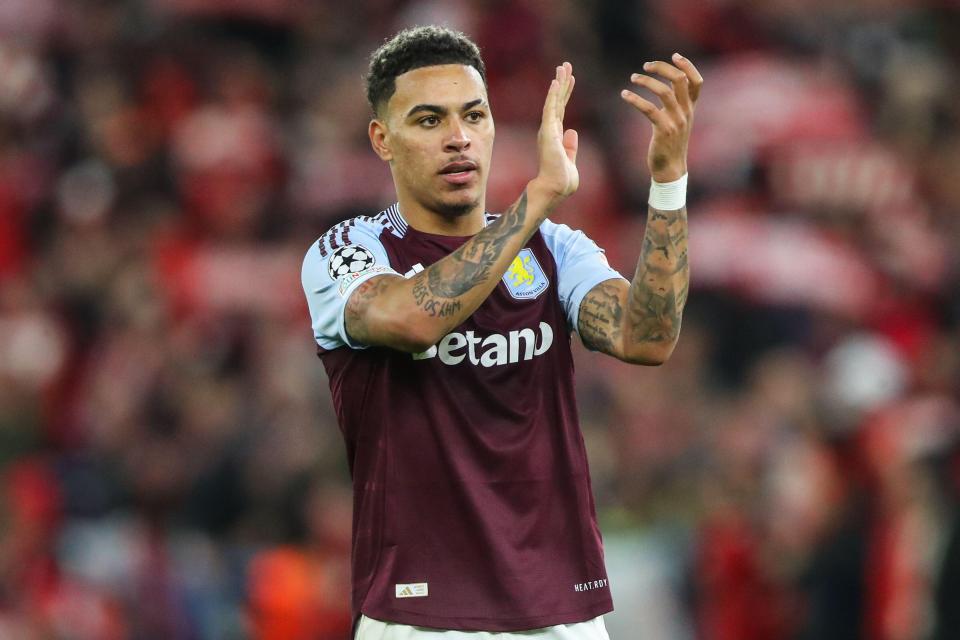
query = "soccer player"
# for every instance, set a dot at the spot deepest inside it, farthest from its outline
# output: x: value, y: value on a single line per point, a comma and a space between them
x: 445, y: 333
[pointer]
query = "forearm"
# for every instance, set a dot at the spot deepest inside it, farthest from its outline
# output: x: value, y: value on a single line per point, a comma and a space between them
x: 658, y: 291
x: 640, y: 322
x: 413, y: 314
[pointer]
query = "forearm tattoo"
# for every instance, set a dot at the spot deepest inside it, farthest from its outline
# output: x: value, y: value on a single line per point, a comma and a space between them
x: 438, y: 288
x: 655, y: 299
x: 659, y: 289
x: 435, y: 307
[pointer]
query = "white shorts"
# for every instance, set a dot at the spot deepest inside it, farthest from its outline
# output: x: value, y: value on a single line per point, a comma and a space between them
x: 370, y: 629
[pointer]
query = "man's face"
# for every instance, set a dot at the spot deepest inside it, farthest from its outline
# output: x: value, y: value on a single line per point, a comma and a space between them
x: 438, y: 137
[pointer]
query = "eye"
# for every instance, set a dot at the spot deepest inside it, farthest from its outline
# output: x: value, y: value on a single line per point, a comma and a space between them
x: 475, y: 116
x: 429, y: 121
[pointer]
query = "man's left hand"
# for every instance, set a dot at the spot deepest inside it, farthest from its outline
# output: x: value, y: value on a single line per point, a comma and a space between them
x: 672, y: 123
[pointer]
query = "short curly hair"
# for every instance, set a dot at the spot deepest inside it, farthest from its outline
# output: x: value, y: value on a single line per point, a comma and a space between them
x: 414, y: 48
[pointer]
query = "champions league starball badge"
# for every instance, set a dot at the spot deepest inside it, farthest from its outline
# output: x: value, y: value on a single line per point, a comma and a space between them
x: 350, y: 259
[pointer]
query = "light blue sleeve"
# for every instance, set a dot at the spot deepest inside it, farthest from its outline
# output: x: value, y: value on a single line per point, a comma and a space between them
x: 581, y: 266
x: 333, y: 268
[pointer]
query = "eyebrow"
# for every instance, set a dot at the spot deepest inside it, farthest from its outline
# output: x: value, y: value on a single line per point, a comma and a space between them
x: 442, y: 111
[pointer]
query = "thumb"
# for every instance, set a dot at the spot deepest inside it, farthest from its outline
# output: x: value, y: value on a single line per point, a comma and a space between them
x: 570, y: 144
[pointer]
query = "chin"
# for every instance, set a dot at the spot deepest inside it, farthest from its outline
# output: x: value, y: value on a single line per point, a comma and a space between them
x: 456, y: 207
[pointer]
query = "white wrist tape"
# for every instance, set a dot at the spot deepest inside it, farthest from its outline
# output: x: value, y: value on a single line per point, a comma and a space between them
x: 668, y: 196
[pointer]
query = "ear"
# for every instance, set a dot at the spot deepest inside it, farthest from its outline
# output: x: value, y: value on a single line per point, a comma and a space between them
x: 378, y: 139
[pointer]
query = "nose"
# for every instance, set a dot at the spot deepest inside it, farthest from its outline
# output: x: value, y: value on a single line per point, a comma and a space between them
x: 457, y: 138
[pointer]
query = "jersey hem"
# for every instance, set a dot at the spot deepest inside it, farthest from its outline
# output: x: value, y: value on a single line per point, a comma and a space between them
x: 458, y: 623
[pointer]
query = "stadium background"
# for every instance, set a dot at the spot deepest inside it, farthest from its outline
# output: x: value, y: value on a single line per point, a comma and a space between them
x: 170, y: 464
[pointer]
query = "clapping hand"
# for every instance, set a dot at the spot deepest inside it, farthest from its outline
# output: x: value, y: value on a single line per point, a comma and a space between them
x: 558, y: 176
x: 673, y: 121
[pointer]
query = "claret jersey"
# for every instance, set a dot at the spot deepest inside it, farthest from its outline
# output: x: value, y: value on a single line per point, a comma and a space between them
x: 472, y: 501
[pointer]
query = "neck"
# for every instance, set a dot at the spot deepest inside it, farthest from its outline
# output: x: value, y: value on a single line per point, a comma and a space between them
x: 429, y: 221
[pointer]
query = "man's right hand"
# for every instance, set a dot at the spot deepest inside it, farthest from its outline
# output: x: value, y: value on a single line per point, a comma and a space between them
x: 558, y: 176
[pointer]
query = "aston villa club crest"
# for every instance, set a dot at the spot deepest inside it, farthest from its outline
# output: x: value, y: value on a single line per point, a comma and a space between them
x: 525, y: 278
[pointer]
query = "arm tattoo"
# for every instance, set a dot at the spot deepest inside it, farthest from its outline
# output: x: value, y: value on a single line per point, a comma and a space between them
x: 357, y: 305
x: 601, y: 317
x: 437, y: 289
x: 659, y: 289
x: 654, y: 300
x: 436, y: 307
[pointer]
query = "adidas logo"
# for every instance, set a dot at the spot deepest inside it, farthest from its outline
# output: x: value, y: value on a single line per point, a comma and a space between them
x: 414, y: 590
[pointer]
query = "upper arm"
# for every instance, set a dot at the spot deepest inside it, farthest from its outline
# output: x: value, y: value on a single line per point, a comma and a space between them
x: 371, y: 318
x: 595, y: 297
x: 602, y: 320
x: 581, y: 267
x: 335, y: 267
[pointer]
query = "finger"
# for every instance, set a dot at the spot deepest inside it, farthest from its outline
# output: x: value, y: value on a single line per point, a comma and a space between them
x: 572, y: 80
x: 696, y: 80
x: 678, y: 79
x: 561, y: 91
x: 660, y: 89
x: 566, y: 97
x: 650, y: 110
x: 571, y: 142
x: 550, y: 104
x: 564, y: 76
x: 563, y: 80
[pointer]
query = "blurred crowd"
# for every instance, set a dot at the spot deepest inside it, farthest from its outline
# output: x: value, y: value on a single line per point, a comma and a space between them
x: 171, y: 466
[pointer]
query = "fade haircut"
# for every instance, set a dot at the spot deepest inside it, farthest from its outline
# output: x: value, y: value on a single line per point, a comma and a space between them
x: 414, y: 48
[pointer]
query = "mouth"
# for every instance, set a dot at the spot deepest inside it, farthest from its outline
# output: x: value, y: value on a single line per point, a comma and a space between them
x: 459, y: 172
